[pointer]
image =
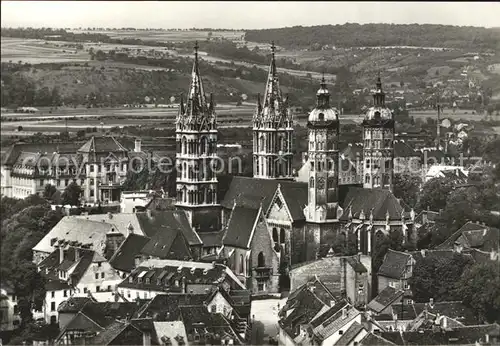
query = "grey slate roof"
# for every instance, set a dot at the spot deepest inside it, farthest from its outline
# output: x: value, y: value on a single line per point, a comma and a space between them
x: 240, y: 226
x: 394, y: 264
x: 385, y: 299
x: 124, y: 257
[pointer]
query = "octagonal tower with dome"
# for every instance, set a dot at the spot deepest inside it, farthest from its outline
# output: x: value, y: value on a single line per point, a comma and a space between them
x: 378, y: 138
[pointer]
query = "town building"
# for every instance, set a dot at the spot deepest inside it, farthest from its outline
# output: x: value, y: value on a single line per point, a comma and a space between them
x: 343, y: 276
x: 10, y: 318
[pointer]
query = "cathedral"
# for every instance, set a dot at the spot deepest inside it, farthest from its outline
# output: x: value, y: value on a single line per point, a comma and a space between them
x: 262, y: 226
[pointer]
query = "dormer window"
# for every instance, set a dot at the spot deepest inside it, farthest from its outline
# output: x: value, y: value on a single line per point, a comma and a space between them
x: 148, y: 281
x: 321, y: 117
x: 130, y: 279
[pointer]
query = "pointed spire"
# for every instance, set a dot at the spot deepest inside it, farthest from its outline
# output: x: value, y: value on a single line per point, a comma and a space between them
x: 323, y: 95
x: 196, y: 98
x: 273, y: 92
x: 181, y: 105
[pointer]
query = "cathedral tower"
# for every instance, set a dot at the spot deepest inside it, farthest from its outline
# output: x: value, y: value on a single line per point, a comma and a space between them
x: 196, y: 139
x: 323, y: 158
x: 272, y: 131
x: 378, y: 136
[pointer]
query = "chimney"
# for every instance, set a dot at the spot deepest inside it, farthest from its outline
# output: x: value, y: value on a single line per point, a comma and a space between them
x: 493, y: 255
x: 431, y: 303
x: 149, y: 213
x: 137, y: 146
x: 422, y: 252
x: 487, y: 338
x: 444, y: 320
x: 110, y: 215
x: 344, y: 313
x: 61, y: 254
x: 137, y: 260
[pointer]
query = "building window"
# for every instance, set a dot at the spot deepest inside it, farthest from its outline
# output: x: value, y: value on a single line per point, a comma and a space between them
x: 41, y: 182
x: 275, y: 234
x: 341, y: 332
x: 53, y: 294
x: 85, y: 290
x: 261, y: 287
x: 242, y: 263
x: 65, y: 293
x: 311, y: 182
x: 53, y: 306
x: 282, y: 236
x: 102, y: 275
x: 96, y: 276
x: 53, y: 319
x: 367, y: 179
x: 97, y: 288
x: 261, y: 261
x: 213, y: 309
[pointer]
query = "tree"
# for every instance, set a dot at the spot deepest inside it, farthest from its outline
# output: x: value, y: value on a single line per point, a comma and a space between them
x: 407, y: 187
x: 72, y: 194
x: 479, y: 287
x: 436, y: 276
x: 434, y: 193
x: 49, y: 191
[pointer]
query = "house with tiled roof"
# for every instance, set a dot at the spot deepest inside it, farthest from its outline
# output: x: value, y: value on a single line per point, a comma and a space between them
x: 372, y: 339
x: 82, y: 318
x: 329, y: 327
x: 383, y: 302
x: 135, y: 332
x: 302, y: 305
x: 476, y: 236
x: 353, y: 335
x: 396, y: 269
x: 155, y: 276
x: 343, y: 276
x: 70, y: 271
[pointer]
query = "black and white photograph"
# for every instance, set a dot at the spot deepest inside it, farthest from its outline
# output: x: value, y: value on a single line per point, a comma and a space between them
x: 293, y: 173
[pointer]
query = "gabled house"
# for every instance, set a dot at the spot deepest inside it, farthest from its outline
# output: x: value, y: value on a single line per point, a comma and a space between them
x: 302, y: 306
x: 395, y: 270
x: 383, y: 302
x: 80, y: 318
x: 344, y: 276
x: 476, y: 236
x: 75, y: 271
x: 250, y: 251
x: 153, y: 277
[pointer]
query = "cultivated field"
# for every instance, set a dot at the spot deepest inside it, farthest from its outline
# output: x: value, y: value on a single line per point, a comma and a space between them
x: 169, y: 35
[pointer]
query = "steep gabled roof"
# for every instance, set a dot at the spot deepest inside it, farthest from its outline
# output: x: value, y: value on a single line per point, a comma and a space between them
x: 250, y: 192
x: 107, y: 144
x: 350, y: 334
x: 359, y: 199
x: 240, y: 226
x: 401, y: 149
x: 394, y: 264
x: 373, y: 339
x: 124, y: 257
x: 167, y: 223
x: 80, y: 230
x: 385, y: 299
x: 296, y: 199
x: 478, y: 236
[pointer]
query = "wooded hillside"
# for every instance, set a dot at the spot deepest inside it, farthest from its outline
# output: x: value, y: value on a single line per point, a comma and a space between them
x: 356, y: 35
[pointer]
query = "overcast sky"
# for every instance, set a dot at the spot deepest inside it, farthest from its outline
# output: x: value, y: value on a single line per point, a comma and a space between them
x: 246, y: 15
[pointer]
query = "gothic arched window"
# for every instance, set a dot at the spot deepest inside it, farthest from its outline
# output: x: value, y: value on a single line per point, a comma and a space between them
x: 261, y: 261
x: 184, y: 145
x: 262, y: 143
x: 203, y: 146
x: 282, y: 236
x: 367, y: 179
x: 275, y: 234
x: 311, y: 182
x: 242, y: 264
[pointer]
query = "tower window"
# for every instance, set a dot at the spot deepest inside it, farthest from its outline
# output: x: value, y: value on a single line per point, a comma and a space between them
x: 377, y: 115
x: 367, y: 179
x: 311, y: 182
x: 367, y: 163
x: 321, y: 117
